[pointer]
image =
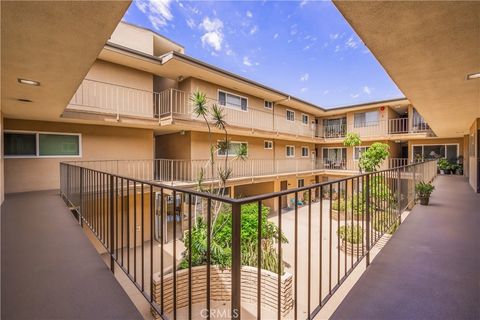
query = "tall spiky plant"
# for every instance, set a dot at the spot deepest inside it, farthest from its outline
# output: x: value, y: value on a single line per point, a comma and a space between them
x: 200, y: 109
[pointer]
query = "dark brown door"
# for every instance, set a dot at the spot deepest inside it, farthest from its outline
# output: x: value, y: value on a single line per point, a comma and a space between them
x: 284, y: 186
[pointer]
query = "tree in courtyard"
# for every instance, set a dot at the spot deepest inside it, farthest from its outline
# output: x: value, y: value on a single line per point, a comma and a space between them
x: 352, y: 139
x: 372, y: 158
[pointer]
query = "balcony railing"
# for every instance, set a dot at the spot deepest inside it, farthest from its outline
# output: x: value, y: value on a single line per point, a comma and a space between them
x: 166, y: 239
x: 403, y: 126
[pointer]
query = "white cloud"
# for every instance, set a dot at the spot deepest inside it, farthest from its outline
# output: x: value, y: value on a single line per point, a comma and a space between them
x: 367, y: 90
x: 304, y: 77
x: 213, y: 35
x: 325, y: 92
x: 190, y: 23
x: 356, y: 95
x: 253, y: 30
x: 275, y: 36
x: 334, y: 36
x: 293, y: 30
x: 306, y: 47
x: 157, y: 11
x: 249, y: 14
x: 246, y: 61
x: 303, y: 89
x: 350, y: 43
x: 304, y: 2
x: 337, y: 48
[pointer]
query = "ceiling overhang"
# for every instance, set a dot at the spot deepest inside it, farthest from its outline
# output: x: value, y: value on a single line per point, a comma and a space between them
x: 55, y: 43
x: 427, y: 48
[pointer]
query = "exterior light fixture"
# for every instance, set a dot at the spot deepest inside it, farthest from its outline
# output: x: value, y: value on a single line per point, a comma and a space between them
x: 29, y: 82
x: 24, y: 100
x: 472, y: 76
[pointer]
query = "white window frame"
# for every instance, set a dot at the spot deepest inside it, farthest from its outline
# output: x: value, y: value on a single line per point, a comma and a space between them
x: 367, y: 124
x: 298, y: 183
x: 270, y: 142
x: 308, y: 119
x: 265, y: 102
x: 434, y: 144
x: 230, y: 106
x: 358, y: 147
x: 308, y: 152
x: 37, y: 144
x: 286, y: 151
x: 230, y: 155
x: 286, y: 115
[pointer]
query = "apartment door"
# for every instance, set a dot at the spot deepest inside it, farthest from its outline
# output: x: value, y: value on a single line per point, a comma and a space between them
x: 284, y: 186
x: 172, y: 218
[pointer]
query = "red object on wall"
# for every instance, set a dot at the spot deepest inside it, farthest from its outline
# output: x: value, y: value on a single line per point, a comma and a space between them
x: 382, y: 108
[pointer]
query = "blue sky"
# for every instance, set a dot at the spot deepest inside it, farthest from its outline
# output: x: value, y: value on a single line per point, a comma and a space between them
x: 304, y: 48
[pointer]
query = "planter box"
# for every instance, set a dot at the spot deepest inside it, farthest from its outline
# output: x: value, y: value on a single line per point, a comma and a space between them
x: 220, y: 284
x: 351, y: 248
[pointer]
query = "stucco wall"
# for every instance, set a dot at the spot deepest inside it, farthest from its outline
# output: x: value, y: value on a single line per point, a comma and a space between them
x: 98, y: 143
x: 121, y: 75
x: 473, y: 155
x: 173, y: 146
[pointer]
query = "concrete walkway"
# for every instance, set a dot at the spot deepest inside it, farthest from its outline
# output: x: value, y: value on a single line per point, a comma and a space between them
x: 430, y: 269
x: 50, y: 270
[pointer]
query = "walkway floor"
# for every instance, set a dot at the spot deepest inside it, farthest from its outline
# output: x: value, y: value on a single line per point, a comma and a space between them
x: 431, y: 267
x: 50, y: 270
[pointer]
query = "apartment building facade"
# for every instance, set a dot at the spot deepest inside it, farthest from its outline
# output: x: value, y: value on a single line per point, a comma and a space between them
x: 135, y: 104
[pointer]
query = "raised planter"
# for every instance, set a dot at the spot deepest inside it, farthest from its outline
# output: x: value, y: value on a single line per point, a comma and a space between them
x: 220, y: 284
x: 349, y: 216
x: 352, y: 248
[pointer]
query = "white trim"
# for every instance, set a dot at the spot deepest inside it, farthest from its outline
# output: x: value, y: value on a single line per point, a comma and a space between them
x: 230, y: 106
x: 269, y: 141
x: 435, y: 144
x: 271, y: 108
x: 230, y: 155
x: 286, y: 152
x: 37, y: 144
x: 286, y: 115
x: 308, y: 152
x: 308, y: 119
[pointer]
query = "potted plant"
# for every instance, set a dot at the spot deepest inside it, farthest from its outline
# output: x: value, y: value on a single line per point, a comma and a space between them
x: 424, y: 190
x: 444, y: 166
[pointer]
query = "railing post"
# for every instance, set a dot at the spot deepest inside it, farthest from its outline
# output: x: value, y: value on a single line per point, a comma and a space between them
x: 80, y: 206
x: 171, y: 103
x: 367, y: 208
x: 399, y: 195
x: 171, y: 172
x: 236, y: 261
x: 112, y: 233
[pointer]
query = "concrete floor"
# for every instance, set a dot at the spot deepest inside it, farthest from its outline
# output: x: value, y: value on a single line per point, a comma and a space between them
x: 50, y: 270
x: 431, y: 268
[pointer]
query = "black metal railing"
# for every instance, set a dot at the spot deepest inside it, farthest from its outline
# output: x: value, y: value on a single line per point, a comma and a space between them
x: 276, y: 255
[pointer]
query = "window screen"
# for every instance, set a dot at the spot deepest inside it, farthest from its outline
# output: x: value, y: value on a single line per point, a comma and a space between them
x: 58, y: 145
x: 20, y: 144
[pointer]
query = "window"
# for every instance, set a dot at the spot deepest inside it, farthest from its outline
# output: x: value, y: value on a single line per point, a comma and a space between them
x: 290, y: 115
x: 365, y: 119
x: 232, y: 101
x: 305, y: 118
x: 268, y: 104
x: 357, y: 152
x: 233, y: 148
x: 58, y: 145
x: 290, y: 151
x: 300, y: 183
x: 305, y: 151
x: 435, y: 151
x: 41, y: 144
x: 20, y: 144
x: 268, y: 144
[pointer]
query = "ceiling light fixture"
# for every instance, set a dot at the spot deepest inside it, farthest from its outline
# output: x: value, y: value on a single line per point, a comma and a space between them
x: 24, y: 100
x: 472, y: 76
x: 29, y: 82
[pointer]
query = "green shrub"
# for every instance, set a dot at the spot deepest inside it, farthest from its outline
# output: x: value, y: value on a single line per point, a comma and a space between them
x: 358, y: 204
x: 221, y: 240
x: 424, y: 189
x: 443, y: 164
x: 351, y: 234
x: 386, y: 224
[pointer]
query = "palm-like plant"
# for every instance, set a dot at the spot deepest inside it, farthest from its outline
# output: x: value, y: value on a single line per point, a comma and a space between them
x: 200, y: 109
